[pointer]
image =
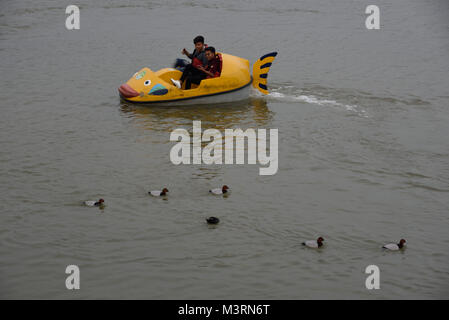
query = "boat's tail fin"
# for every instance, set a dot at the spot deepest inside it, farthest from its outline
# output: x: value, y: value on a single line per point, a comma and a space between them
x: 260, y: 71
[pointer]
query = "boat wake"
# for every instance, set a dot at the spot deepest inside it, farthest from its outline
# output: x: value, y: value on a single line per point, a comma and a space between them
x: 293, y: 95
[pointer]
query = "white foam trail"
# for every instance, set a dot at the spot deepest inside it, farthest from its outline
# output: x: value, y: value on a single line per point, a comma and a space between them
x: 314, y: 100
x: 276, y: 95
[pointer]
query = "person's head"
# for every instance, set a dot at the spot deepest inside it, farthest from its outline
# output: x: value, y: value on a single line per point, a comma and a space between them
x: 199, y: 43
x: 210, y: 53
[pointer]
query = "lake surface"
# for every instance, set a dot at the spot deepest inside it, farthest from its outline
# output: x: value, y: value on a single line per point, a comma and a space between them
x: 363, y: 124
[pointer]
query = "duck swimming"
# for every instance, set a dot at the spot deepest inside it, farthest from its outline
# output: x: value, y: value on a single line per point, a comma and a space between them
x: 212, y: 220
x: 93, y: 203
x: 223, y: 190
x: 314, y: 243
x: 158, y: 193
x: 394, y: 246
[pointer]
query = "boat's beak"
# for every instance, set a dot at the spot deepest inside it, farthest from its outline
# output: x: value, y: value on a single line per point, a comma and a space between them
x: 126, y: 91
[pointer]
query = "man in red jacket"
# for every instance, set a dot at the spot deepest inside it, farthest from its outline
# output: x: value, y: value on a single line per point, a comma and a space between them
x: 213, y: 68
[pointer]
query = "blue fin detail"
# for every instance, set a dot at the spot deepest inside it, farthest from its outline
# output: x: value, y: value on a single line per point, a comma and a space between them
x: 271, y: 54
x: 158, y: 90
x: 266, y: 65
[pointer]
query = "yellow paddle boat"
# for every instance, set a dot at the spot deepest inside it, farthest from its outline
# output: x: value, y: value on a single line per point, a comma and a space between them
x: 233, y: 84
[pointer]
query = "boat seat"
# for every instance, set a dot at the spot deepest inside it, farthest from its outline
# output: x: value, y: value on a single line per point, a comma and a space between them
x: 220, y: 57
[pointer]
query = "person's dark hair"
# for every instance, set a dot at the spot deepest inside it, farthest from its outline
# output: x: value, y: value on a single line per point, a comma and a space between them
x: 198, y: 39
x: 212, y: 49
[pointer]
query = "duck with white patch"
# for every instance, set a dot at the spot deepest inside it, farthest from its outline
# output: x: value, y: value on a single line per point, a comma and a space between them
x: 158, y: 193
x: 93, y: 203
x: 218, y: 191
x: 314, y: 243
x: 395, y: 246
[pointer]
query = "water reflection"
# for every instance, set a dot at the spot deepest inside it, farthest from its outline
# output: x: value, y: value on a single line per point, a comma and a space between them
x: 251, y: 113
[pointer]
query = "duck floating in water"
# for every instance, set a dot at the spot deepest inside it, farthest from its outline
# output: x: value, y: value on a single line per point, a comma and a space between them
x: 314, y: 243
x: 158, y: 193
x: 221, y: 190
x: 212, y: 220
x: 395, y: 246
x: 93, y: 203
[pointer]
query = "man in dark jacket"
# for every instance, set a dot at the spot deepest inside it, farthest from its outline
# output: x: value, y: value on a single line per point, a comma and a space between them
x: 190, y: 70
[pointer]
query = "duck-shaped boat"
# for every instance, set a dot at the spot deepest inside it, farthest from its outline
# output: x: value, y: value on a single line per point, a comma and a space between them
x: 234, y: 83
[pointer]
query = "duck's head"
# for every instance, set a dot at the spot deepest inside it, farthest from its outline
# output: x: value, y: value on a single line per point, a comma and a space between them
x: 320, y: 240
x: 402, y: 241
x: 212, y: 220
x: 225, y: 188
x: 165, y: 190
x: 101, y: 201
x: 143, y: 83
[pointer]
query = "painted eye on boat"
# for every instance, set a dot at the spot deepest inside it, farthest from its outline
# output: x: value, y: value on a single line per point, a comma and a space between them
x: 147, y: 82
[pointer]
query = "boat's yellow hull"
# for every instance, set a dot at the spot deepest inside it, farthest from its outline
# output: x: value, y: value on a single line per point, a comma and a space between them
x: 155, y: 87
x: 147, y: 86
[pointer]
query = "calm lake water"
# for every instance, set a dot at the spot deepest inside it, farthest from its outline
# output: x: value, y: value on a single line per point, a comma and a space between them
x: 363, y: 126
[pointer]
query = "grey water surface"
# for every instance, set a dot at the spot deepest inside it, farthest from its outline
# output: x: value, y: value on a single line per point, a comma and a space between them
x: 363, y: 126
